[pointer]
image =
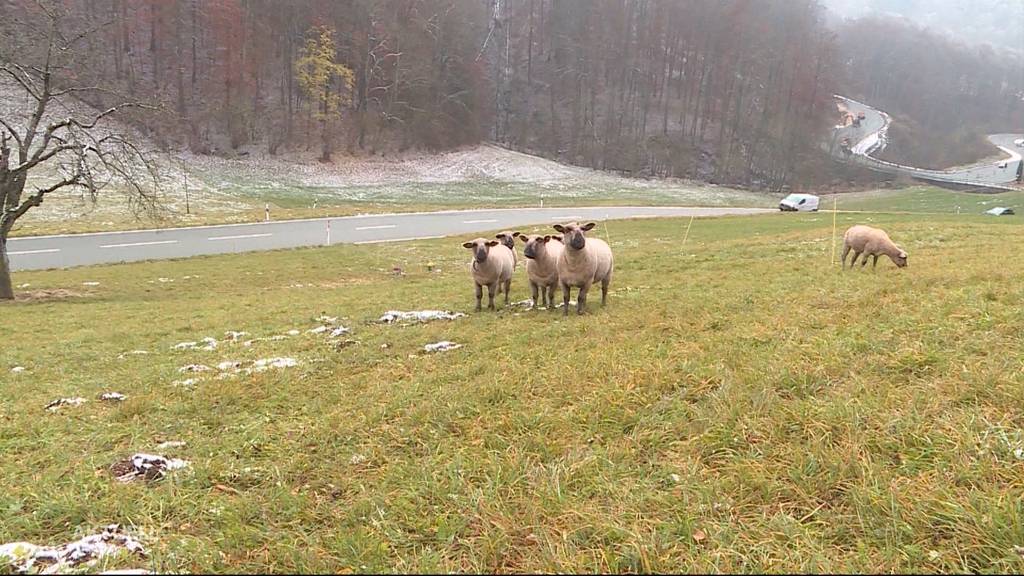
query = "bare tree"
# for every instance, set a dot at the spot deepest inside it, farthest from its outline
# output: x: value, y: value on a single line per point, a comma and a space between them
x: 58, y: 146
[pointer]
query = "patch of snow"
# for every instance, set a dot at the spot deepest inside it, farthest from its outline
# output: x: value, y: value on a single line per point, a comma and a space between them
x: 229, y: 365
x: 327, y: 319
x: 357, y: 459
x: 170, y: 444
x: 528, y: 303
x: 56, y: 404
x: 17, y: 370
x: 185, y: 346
x: 193, y: 368
x: 293, y: 332
x: 90, y: 283
x: 186, y: 382
x: 113, y: 396
x: 442, y: 346
x: 234, y: 336
x: 145, y: 466
x: 211, y: 344
x: 392, y: 316
x: 317, y: 330
x: 132, y: 353
x: 164, y: 280
x: 25, y: 557
x: 268, y: 363
x: 339, y: 331
x: 25, y: 285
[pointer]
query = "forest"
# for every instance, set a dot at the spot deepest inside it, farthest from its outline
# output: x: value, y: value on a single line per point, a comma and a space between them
x: 735, y: 91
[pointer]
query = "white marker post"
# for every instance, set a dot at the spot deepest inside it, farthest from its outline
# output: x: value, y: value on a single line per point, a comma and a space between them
x: 267, y: 208
x: 328, y: 232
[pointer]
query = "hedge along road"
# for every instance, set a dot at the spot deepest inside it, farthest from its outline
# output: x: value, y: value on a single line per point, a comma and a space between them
x: 42, y: 252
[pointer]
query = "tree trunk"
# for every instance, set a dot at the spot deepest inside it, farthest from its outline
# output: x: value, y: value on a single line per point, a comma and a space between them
x: 6, y: 288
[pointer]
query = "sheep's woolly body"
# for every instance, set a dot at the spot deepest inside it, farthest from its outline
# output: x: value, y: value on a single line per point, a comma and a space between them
x: 496, y: 269
x: 868, y: 241
x: 593, y: 263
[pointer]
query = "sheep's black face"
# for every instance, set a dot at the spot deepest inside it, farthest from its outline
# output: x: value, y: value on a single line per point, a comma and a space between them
x: 480, y: 248
x: 533, y: 243
x: 508, y: 239
x: 572, y: 234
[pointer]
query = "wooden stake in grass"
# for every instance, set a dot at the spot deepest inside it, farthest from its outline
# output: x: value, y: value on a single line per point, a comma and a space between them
x: 835, y: 202
x: 687, y: 235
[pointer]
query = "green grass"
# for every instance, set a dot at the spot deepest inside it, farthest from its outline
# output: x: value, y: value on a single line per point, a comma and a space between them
x: 926, y: 199
x: 740, y: 405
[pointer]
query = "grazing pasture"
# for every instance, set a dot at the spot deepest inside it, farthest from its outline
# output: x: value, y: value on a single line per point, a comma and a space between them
x: 740, y: 404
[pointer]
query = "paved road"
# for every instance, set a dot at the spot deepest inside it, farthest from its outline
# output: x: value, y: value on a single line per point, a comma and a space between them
x: 42, y: 252
x: 864, y: 139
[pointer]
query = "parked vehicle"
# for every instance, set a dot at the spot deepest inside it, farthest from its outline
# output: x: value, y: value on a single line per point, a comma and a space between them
x: 1019, y: 142
x: 799, y: 203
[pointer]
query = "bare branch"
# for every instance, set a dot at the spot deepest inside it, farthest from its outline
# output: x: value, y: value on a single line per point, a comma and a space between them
x: 12, y: 131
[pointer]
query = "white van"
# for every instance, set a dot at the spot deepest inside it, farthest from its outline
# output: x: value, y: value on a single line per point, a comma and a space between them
x: 799, y: 203
x: 1019, y: 142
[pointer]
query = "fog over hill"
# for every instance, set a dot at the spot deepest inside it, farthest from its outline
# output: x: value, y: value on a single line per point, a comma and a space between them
x: 998, y: 22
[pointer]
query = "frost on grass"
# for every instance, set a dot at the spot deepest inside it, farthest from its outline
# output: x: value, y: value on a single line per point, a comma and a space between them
x: 185, y: 346
x: 170, y: 444
x: 124, y: 355
x: 229, y: 365
x: 234, y: 336
x: 392, y: 316
x: 442, y: 346
x: 186, y: 382
x: 318, y: 330
x: 528, y: 303
x: 327, y: 319
x: 25, y: 557
x: 113, y: 397
x: 193, y: 368
x: 268, y: 363
x: 145, y: 467
x: 58, y: 403
x: 209, y: 344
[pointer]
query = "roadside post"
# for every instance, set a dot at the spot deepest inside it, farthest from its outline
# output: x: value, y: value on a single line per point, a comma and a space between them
x: 267, y: 209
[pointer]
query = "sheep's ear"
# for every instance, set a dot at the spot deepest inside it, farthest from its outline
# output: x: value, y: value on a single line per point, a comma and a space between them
x: 468, y: 245
x: 524, y: 238
x: 587, y: 227
x: 499, y: 235
x: 492, y: 243
x: 559, y: 238
x: 903, y: 254
x: 547, y: 238
x: 517, y: 234
x: 560, y: 228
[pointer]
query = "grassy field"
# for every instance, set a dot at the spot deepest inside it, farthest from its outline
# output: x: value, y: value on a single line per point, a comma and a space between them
x: 926, y: 199
x: 740, y: 405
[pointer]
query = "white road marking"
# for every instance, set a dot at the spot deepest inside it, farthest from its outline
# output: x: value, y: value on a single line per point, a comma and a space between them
x: 46, y: 251
x: 567, y: 217
x: 240, y: 236
x: 399, y: 239
x: 382, y: 227
x: 478, y: 221
x: 139, y: 244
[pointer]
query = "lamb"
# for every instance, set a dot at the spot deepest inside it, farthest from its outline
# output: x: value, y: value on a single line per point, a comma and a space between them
x: 871, y: 242
x: 491, y: 266
x: 508, y: 238
x: 583, y: 262
x: 542, y: 266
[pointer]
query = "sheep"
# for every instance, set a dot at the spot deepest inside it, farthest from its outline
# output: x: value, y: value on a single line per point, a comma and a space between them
x: 871, y: 242
x: 583, y: 262
x: 508, y: 238
x: 491, y: 266
x: 542, y: 266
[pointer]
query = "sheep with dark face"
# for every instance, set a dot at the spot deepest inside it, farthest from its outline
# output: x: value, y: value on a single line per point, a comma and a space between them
x: 491, y: 266
x: 508, y: 238
x: 583, y: 262
x: 871, y: 242
x: 542, y: 254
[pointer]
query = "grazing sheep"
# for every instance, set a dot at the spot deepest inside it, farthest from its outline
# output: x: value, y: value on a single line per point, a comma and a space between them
x: 871, y: 242
x: 491, y: 266
x: 583, y: 262
x: 542, y: 266
x: 508, y: 238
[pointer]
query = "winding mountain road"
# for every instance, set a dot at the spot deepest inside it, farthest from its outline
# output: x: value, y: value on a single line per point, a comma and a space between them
x: 41, y: 252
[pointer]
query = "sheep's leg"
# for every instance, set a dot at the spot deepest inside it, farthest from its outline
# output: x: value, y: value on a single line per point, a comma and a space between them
x: 846, y: 250
x: 604, y: 289
x: 854, y: 261
x: 874, y: 262
x: 581, y: 298
x: 551, y: 296
x: 508, y: 285
x: 565, y: 299
x: 479, y: 296
x: 533, y: 292
x: 864, y: 260
x: 491, y: 288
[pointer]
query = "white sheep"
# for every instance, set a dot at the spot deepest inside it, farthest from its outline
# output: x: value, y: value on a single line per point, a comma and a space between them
x: 583, y: 262
x: 542, y: 254
x: 871, y: 242
x: 491, y: 266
